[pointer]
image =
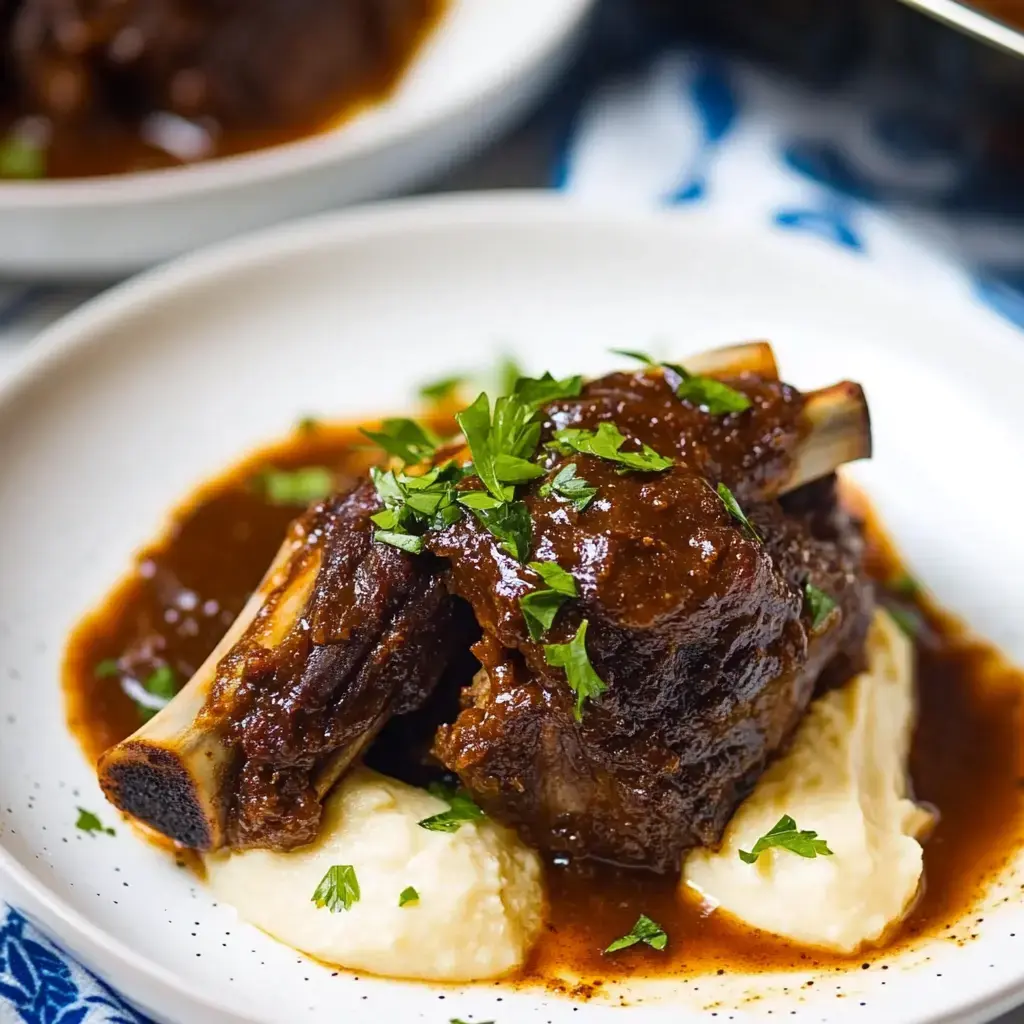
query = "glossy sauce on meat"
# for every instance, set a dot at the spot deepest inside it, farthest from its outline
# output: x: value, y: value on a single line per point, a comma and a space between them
x: 966, y: 758
x: 111, y: 88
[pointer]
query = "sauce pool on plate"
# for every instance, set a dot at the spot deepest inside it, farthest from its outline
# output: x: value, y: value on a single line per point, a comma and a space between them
x: 159, y: 624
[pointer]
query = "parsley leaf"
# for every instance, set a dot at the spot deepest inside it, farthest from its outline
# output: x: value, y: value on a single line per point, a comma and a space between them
x: 706, y: 392
x: 555, y: 577
x: 161, y: 683
x: 295, y: 486
x: 414, y: 504
x: 338, y: 889
x: 108, y: 668
x: 784, y: 834
x: 573, y: 657
x: 509, y: 373
x: 475, y: 423
x: 88, y: 822
x: 20, y: 158
x: 605, y: 443
x: 904, y: 585
x: 645, y: 930
x: 819, y: 604
x: 461, y: 809
x: 717, y: 398
x: 510, y: 523
x: 404, y: 541
x: 640, y: 357
x: 730, y: 502
x: 541, y: 606
x: 408, y: 895
x: 308, y: 425
x: 442, y: 390
x: 404, y: 439
x: 909, y: 620
x: 538, y: 391
x: 568, y: 485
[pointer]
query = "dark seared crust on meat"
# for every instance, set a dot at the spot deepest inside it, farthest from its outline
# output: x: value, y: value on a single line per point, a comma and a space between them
x: 700, y: 632
x: 752, y: 452
x: 376, y: 633
x: 247, y: 63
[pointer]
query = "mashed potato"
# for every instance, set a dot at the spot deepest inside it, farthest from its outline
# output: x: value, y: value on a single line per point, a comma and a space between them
x: 481, y: 899
x: 844, y: 777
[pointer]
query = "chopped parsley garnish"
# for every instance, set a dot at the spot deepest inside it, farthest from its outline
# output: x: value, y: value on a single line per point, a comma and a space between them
x: 645, y: 930
x: 405, y: 439
x: 408, y: 895
x: 88, y: 822
x: 541, y: 606
x: 509, y: 374
x: 20, y: 158
x: 706, y: 392
x: 456, y: 1020
x: 712, y: 395
x: 605, y: 443
x: 161, y: 683
x: 819, y: 604
x: 108, y: 668
x: 786, y: 836
x: 308, y: 425
x: 442, y: 390
x: 338, y: 889
x: 508, y: 522
x: 640, y: 357
x: 461, y: 809
x: 408, y: 542
x: 573, y: 657
x: 414, y: 504
x: 566, y: 484
x: 295, y: 486
x: 904, y: 585
x: 538, y: 391
x: 733, y: 506
x: 909, y: 620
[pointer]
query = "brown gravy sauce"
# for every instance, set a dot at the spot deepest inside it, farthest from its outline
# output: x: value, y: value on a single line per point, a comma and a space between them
x: 106, y: 145
x: 966, y: 761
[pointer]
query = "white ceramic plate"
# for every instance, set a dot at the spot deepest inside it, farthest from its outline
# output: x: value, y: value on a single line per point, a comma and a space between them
x: 482, y: 67
x: 137, y: 397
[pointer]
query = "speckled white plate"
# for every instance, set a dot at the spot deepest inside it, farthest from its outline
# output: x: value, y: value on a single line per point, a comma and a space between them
x: 131, y: 401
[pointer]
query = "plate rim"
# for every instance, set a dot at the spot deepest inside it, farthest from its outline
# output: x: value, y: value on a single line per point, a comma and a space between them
x: 310, y: 153
x: 516, y: 210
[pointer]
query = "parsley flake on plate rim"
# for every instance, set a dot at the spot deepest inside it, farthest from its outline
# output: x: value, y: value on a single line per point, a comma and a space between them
x: 91, y: 824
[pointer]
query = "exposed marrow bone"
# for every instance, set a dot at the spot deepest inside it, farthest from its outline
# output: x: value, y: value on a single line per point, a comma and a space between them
x: 838, y: 431
x: 173, y: 773
x: 754, y: 357
x: 169, y: 774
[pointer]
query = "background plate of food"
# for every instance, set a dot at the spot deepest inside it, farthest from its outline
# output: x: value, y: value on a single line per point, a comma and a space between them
x: 735, y: 736
x: 133, y: 132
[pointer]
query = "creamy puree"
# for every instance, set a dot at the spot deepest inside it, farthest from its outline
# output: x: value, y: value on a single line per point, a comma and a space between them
x: 845, y: 776
x: 481, y: 898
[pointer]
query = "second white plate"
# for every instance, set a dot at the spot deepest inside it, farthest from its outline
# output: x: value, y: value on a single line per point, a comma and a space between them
x: 481, y: 68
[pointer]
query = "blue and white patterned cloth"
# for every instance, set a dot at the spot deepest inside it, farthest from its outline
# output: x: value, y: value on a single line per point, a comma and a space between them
x: 41, y: 984
x: 680, y: 127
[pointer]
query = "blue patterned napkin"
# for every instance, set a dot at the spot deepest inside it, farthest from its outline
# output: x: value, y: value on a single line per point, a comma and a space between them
x: 41, y: 984
x: 680, y: 127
